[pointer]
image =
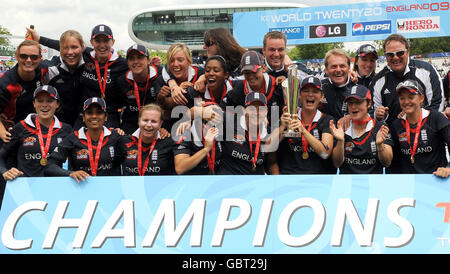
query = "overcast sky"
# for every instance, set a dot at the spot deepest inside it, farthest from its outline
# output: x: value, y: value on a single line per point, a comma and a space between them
x: 52, y: 17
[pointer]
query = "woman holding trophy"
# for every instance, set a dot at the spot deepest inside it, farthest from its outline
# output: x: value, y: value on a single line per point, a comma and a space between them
x: 306, y: 147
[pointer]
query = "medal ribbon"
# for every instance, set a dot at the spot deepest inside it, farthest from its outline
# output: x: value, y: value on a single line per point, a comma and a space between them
x: 224, y: 93
x: 141, y: 169
x: 416, y: 136
x: 44, y: 150
x: 102, y: 84
x: 363, y: 122
x: 136, y: 91
x: 94, y: 163
x: 360, y: 143
x: 258, y: 142
x: 310, y: 127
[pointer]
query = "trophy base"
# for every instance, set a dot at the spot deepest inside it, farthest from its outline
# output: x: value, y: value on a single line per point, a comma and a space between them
x: 292, y: 134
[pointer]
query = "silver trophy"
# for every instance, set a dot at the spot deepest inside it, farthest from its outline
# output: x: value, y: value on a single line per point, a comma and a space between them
x: 290, y: 91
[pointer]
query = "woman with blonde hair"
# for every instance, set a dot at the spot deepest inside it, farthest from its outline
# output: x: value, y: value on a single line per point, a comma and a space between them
x: 146, y: 152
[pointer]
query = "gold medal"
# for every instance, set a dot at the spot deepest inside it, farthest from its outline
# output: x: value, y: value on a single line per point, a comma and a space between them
x: 412, y: 160
x: 43, y: 161
x: 305, y: 155
x: 254, y: 167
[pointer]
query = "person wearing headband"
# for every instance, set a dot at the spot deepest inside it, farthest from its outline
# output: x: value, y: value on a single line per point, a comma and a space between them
x: 34, y: 137
x: 365, y: 147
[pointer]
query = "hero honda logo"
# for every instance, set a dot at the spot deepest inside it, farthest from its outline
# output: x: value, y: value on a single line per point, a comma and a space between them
x: 423, y: 24
x: 371, y: 28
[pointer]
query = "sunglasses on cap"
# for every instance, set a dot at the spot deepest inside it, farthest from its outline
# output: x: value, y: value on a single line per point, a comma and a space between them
x: 399, y: 53
x: 24, y: 56
x: 367, y: 49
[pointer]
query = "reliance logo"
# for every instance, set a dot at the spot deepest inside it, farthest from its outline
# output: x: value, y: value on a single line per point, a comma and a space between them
x: 291, y: 32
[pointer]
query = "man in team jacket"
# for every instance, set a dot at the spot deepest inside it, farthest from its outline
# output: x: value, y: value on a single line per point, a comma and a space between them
x: 401, y: 67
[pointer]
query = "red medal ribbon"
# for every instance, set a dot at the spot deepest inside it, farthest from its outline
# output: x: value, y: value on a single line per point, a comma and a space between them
x: 141, y: 169
x: 44, y: 150
x: 416, y: 136
x: 360, y: 143
x: 310, y: 127
x: 258, y: 142
x: 363, y: 122
x: 94, y: 163
x: 101, y: 83
x: 136, y: 91
x: 224, y: 93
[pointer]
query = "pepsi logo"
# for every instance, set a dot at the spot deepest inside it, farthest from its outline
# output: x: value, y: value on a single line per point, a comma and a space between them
x: 358, y: 27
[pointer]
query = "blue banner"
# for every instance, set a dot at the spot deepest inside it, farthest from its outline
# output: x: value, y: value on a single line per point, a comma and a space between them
x: 345, y: 23
x: 326, y: 214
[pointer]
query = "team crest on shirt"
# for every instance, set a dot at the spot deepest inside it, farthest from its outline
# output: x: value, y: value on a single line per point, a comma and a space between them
x: 315, y: 133
x: 111, y: 151
x: 29, y: 141
x: 373, y: 147
x: 82, y: 154
x: 423, y: 134
x: 348, y: 146
x: 155, y: 155
x: 402, y: 137
x: 132, y: 154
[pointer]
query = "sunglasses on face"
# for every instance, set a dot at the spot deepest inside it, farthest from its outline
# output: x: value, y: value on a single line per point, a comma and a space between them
x: 24, y: 56
x: 208, y: 43
x: 399, y: 53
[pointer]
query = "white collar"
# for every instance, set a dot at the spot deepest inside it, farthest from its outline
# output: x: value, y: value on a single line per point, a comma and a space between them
x: 244, y: 126
x: 406, y: 68
x: 166, y: 75
x: 350, y: 132
x: 29, y: 121
x: 82, y: 132
x: 227, y: 84
x: 64, y: 66
x: 151, y: 70
x: 270, y: 68
x: 425, y: 114
x: 316, y: 117
x: 137, y: 134
x: 340, y: 86
x: 114, y: 55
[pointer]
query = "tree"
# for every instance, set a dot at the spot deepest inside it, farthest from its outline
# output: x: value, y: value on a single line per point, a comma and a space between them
x: 422, y: 45
x: 429, y: 45
x: 312, y: 51
x: 5, y: 43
